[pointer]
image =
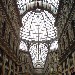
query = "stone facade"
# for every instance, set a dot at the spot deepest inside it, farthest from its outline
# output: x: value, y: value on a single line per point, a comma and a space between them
x: 65, y: 22
x: 51, y: 64
x: 25, y: 63
x: 10, y: 24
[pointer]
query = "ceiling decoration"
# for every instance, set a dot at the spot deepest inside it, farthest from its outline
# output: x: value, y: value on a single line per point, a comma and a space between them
x: 38, y: 33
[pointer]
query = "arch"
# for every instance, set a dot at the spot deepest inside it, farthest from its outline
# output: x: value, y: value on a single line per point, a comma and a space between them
x: 40, y: 5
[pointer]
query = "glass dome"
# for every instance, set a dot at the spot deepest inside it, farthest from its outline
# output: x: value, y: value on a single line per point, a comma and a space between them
x: 38, y: 35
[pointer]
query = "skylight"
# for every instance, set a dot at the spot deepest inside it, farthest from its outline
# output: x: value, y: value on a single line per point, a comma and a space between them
x: 38, y: 33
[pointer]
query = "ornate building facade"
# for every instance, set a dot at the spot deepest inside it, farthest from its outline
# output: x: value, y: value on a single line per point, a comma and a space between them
x: 10, y: 24
x: 31, y: 22
x: 51, y: 64
x: 25, y: 63
x: 65, y: 23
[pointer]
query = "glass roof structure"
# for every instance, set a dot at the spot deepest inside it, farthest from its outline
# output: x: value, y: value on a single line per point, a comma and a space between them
x: 25, y: 5
x: 38, y: 33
